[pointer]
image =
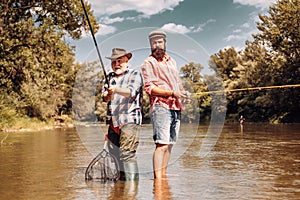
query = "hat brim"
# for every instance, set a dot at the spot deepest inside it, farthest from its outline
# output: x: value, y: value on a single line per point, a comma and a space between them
x: 128, y: 55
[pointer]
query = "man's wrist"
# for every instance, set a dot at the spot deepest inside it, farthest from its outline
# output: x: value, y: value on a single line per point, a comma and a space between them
x: 170, y: 93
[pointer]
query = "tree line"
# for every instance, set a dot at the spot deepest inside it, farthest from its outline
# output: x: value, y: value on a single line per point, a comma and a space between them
x: 38, y: 69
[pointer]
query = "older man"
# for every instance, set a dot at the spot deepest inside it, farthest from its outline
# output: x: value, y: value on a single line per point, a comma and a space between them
x: 124, y: 97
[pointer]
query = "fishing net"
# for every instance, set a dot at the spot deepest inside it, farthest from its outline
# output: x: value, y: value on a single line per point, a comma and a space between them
x: 104, y: 167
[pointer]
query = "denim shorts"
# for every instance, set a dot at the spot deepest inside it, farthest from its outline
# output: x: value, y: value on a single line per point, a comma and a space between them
x: 166, y: 124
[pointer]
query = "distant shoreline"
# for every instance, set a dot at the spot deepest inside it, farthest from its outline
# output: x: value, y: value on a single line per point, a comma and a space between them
x: 35, y: 129
x: 73, y: 125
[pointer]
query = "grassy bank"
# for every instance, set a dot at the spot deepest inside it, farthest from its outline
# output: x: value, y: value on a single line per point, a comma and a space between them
x: 33, y: 124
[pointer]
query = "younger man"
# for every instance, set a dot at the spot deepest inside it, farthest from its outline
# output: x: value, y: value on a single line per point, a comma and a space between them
x: 164, y: 87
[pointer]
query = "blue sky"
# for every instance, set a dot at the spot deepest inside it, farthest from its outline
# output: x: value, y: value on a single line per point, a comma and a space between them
x: 196, y: 28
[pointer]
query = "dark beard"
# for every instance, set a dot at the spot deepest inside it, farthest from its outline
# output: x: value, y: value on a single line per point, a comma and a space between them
x: 158, y: 53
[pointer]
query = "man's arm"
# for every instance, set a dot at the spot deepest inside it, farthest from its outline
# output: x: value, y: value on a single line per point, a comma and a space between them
x: 161, y: 92
x: 134, y: 86
x: 121, y: 91
x: 166, y: 93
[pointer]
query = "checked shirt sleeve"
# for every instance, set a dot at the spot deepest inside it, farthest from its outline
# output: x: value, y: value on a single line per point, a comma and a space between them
x: 135, y: 84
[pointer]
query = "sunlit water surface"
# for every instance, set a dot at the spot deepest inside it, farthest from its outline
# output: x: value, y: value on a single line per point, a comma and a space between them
x: 260, y: 161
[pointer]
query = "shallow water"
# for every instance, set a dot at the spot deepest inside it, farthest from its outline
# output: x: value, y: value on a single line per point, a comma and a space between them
x: 260, y: 161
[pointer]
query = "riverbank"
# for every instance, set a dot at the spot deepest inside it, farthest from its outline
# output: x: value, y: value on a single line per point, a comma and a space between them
x: 34, y: 129
x: 33, y: 124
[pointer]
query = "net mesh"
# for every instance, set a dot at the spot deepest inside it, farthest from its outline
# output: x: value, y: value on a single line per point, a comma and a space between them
x: 104, y: 167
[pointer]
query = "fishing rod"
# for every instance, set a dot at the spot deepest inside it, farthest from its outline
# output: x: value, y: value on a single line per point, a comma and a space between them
x: 104, y: 166
x: 249, y: 89
x: 95, y: 42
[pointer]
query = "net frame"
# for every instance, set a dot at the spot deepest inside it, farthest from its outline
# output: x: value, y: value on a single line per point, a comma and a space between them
x: 103, y: 168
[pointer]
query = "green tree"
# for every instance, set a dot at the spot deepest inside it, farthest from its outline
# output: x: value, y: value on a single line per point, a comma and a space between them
x: 253, y: 60
x: 217, y: 99
x: 272, y: 59
x: 87, y: 101
x: 194, y: 82
x: 262, y: 66
x: 227, y: 64
x: 37, y: 67
x: 279, y: 33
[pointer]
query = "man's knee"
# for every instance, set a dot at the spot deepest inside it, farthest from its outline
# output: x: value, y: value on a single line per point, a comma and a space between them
x: 128, y: 156
x: 161, y: 147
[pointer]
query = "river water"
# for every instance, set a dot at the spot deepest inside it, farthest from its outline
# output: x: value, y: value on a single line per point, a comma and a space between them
x: 256, y: 161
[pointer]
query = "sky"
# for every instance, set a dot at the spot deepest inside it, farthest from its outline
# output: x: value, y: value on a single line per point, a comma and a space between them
x: 195, y: 29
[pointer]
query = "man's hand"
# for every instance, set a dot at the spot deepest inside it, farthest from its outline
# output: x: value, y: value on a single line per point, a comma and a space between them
x: 185, y: 95
x: 109, y: 94
x: 112, y: 89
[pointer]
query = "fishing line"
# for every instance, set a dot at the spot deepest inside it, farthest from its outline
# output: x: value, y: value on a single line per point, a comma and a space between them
x: 249, y: 89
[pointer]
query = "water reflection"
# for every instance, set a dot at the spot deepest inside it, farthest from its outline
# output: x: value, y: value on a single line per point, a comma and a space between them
x: 242, y: 128
x: 161, y: 189
x: 126, y: 190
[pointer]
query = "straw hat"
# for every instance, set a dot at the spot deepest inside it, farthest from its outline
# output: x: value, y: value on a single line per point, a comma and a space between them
x: 118, y: 52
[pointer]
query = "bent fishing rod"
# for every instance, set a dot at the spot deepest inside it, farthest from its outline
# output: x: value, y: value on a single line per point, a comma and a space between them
x: 95, y: 42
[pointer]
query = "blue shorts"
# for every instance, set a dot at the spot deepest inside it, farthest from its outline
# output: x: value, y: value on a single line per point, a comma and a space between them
x: 166, y: 124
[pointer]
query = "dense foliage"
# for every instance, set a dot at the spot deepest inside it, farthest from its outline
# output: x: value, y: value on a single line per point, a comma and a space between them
x: 37, y: 67
x: 272, y: 59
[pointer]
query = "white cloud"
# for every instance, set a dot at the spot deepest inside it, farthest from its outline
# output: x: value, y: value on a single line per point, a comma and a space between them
x: 201, y: 26
x: 246, y: 25
x: 146, y: 7
x: 241, y: 36
x: 107, y: 20
x: 244, y: 32
x: 234, y: 37
x: 237, y: 31
x: 178, y: 28
x: 105, y: 29
x: 257, y: 3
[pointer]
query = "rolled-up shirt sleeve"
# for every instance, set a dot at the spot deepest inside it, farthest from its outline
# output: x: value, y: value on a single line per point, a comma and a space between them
x: 164, y: 75
x: 150, y: 78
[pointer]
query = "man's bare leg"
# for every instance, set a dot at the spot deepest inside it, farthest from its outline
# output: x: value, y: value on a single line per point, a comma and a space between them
x: 166, y: 160
x: 160, y: 156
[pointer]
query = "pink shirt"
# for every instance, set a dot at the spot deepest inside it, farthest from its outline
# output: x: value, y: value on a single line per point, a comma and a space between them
x: 163, y: 74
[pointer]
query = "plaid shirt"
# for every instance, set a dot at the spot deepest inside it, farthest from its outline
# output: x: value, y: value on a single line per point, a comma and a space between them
x: 122, y: 110
x: 163, y: 74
